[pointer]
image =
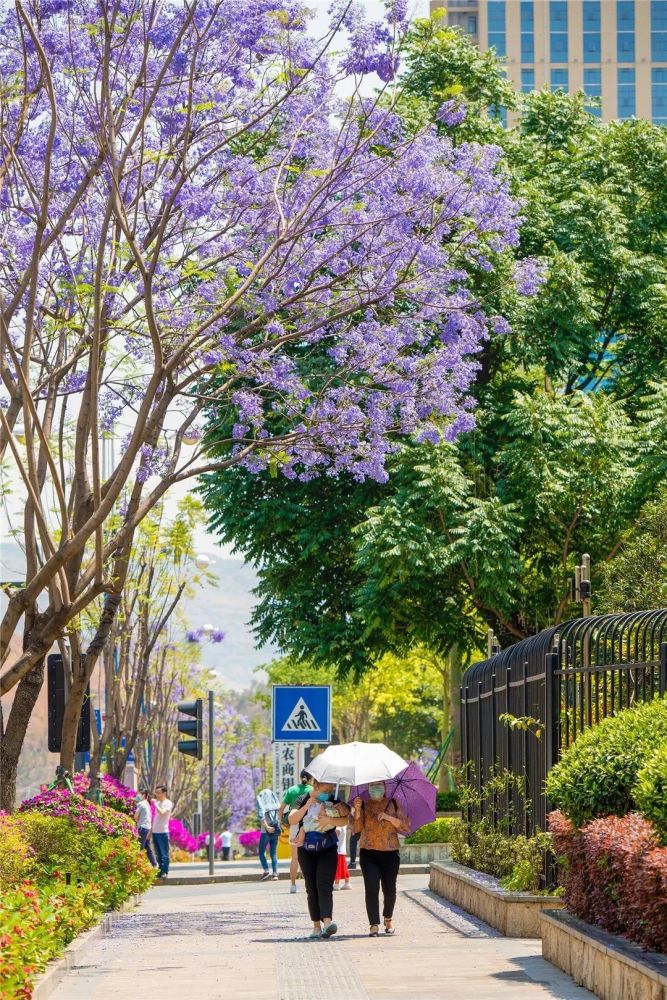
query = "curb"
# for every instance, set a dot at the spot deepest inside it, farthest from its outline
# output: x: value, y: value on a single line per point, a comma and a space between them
x: 414, y: 869
x: 58, y: 968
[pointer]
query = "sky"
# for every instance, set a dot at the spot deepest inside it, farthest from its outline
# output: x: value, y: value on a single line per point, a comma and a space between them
x: 228, y: 603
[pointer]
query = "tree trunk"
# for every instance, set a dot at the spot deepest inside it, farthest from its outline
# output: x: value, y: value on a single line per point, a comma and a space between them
x: 27, y: 692
x: 71, y: 718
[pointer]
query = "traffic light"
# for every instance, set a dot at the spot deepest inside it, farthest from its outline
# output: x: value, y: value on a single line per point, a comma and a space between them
x: 191, y: 727
x: 55, y: 686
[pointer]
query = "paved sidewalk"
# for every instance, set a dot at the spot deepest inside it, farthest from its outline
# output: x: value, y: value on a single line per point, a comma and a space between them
x: 247, y: 942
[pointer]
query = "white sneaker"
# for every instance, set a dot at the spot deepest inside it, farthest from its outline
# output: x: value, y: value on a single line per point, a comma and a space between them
x: 336, y: 887
x: 346, y: 886
x: 292, y: 889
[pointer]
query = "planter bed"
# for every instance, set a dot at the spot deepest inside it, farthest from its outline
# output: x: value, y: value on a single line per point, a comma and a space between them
x: 606, y: 964
x: 515, y: 914
x: 418, y: 854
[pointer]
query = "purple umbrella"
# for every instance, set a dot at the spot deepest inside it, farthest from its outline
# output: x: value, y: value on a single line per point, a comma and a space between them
x: 412, y: 792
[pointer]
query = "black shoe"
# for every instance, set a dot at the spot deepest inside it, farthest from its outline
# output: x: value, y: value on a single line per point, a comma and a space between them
x: 352, y: 865
x: 265, y: 876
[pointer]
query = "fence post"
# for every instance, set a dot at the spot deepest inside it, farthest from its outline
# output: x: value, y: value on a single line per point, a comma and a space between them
x: 509, y: 799
x: 551, y: 742
x: 480, y: 741
x: 662, y: 679
x: 464, y: 717
x: 494, y: 757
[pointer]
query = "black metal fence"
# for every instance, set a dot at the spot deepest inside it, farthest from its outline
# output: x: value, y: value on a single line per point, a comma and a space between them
x: 557, y: 683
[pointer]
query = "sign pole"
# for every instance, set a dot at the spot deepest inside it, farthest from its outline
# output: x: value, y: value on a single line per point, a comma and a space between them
x: 211, y: 810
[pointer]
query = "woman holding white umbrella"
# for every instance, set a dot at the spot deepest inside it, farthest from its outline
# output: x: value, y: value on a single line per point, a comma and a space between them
x: 318, y: 814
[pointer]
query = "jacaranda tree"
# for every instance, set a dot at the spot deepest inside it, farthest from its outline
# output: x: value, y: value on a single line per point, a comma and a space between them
x: 193, y: 218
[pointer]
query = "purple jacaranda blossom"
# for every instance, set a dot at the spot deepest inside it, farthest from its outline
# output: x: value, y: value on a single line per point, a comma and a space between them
x: 529, y: 276
x: 451, y: 113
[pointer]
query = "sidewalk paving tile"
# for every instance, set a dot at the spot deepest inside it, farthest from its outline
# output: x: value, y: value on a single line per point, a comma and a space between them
x: 249, y: 942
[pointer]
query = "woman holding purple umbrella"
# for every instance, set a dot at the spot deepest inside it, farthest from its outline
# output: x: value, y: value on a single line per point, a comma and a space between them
x: 379, y: 822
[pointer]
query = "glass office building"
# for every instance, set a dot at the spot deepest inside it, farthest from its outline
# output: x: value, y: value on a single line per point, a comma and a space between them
x: 613, y: 50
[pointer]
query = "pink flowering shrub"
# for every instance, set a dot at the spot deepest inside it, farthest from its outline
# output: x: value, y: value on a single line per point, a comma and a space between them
x: 63, y: 804
x: 201, y: 841
x: 180, y: 837
x: 249, y: 840
x: 116, y: 794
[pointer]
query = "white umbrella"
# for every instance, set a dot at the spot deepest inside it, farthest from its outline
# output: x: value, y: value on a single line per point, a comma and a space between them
x: 356, y: 764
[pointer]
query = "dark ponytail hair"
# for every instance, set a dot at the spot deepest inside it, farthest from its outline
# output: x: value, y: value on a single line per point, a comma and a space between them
x: 147, y: 794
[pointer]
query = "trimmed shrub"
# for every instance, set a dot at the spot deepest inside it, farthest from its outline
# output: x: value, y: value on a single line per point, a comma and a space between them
x: 438, y: 832
x: 17, y: 858
x: 597, y: 775
x: 615, y: 875
x: 650, y: 792
x: 448, y: 801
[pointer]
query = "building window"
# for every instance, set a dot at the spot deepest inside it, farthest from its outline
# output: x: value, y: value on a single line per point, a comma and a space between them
x: 559, y: 79
x: 592, y: 48
x: 625, y: 31
x: 659, y: 30
x: 471, y: 26
x: 558, y: 30
x: 496, y: 11
x: 626, y: 93
x: 593, y: 88
x: 527, y: 80
x: 659, y: 96
x: 527, y: 31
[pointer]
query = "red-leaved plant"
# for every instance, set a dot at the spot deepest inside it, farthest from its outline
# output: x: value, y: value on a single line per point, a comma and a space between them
x: 615, y: 875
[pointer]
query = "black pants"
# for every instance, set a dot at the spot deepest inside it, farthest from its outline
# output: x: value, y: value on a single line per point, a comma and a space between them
x: 379, y: 868
x: 354, y: 844
x: 319, y: 871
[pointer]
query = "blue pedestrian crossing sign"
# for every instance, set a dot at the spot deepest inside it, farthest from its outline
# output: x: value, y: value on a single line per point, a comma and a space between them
x: 301, y: 714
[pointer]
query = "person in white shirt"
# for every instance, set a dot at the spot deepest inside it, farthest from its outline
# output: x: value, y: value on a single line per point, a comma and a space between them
x: 142, y: 816
x: 226, y: 844
x: 163, y: 810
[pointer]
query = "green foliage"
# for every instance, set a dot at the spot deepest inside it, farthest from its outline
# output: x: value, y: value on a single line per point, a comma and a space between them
x: 650, y: 791
x: 39, y: 912
x: 448, y: 801
x: 517, y: 861
x: 636, y: 578
x: 598, y: 774
x: 17, y: 858
x: 441, y: 831
x: 567, y: 449
x: 394, y: 701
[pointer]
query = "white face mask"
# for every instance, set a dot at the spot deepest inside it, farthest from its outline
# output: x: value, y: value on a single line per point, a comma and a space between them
x: 376, y: 791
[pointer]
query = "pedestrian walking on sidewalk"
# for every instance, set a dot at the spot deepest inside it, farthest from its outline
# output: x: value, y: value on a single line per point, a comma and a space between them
x: 317, y: 814
x: 289, y: 798
x: 143, y: 818
x: 163, y: 810
x: 379, y: 823
x: 267, y: 810
x: 342, y: 874
x: 226, y: 844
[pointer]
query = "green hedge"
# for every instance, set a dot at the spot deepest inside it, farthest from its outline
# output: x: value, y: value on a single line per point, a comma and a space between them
x: 651, y: 791
x: 448, y: 801
x: 598, y: 775
x: 438, y: 832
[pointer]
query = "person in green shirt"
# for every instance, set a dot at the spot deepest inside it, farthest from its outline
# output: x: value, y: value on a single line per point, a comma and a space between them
x: 289, y: 798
